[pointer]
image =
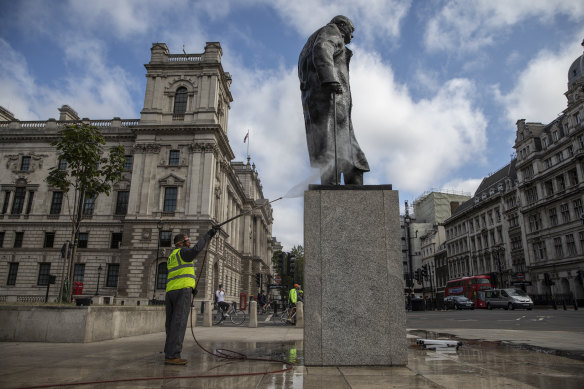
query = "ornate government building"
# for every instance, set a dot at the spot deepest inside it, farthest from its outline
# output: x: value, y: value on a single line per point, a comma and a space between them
x: 179, y: 177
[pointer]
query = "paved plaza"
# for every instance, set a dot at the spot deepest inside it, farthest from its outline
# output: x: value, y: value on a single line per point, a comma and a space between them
x: 487, y: 359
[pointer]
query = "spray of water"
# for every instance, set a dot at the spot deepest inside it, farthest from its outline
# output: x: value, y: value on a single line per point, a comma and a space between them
x: 299, y: 189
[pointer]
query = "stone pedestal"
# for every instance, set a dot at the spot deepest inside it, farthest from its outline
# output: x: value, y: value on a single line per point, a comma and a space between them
x: 354, y: 312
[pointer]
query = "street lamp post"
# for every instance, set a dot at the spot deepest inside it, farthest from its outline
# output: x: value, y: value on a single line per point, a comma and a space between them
x: 159, y: 227
x: 99, y: 269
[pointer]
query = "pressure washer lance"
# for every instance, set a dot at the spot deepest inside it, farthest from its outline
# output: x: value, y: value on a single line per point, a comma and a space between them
x: 247, y: 212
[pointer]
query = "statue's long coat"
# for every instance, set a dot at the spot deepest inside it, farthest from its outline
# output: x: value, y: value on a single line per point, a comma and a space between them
x: 325, y: 58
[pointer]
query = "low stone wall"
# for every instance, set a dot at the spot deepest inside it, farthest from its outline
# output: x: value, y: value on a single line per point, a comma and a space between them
x: 82, y: 324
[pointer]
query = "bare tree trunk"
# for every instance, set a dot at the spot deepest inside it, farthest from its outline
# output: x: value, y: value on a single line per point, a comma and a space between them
x: 75, y: 238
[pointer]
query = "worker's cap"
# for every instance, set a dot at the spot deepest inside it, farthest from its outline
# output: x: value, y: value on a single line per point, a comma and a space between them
x: 296, y: 286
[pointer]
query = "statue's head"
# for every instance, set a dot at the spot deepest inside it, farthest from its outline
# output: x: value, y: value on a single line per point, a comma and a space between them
x: 346, y: 26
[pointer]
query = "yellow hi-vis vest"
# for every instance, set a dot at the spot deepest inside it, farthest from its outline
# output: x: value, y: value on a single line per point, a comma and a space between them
x: 293, y: 296
x: 180, y: 274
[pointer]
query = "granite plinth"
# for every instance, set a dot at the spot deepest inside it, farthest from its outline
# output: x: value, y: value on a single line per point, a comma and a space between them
x: 354, y: 306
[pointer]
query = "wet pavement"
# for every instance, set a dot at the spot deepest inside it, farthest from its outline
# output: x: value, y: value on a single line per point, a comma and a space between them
x: 138, y: 362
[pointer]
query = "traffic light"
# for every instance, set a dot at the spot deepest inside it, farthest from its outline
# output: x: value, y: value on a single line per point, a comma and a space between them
x: 291, y: 264
x: 258, y: 279
x: 418, y: 275
x: 425, y: 272
x: 283, y: 264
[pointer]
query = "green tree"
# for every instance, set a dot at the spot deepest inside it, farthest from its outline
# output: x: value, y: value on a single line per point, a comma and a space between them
x: 89, y: 173
x: 287, y: 280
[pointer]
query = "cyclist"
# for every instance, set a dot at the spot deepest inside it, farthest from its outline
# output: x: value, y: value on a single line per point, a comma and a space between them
x: 262, y: 301
x: 220, y: 295
x: 292, y: 299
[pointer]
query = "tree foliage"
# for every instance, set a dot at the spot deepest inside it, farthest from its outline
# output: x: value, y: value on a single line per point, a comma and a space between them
x: 288, y: 280
x: 89, y: 173
x: 88, y: 170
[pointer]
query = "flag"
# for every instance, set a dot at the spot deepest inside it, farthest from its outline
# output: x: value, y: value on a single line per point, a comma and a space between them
x: 246, y: 136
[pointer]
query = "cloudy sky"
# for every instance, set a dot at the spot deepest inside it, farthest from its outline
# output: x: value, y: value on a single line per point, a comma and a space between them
x: 437, y: 85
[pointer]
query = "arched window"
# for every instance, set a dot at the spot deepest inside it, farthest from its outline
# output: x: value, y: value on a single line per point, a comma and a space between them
x: 180, y: 101
x: 161, y: 276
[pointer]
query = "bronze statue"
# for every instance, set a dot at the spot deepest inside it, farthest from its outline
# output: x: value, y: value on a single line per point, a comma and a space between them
x: 323, y: 70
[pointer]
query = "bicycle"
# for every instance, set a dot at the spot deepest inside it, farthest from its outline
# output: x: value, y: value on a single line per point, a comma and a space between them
x: 237, y: 316
x: 284, y: 316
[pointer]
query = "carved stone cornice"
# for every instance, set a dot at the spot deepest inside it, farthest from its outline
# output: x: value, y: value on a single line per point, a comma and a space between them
x: 203, y: 147
x: 146, y: 148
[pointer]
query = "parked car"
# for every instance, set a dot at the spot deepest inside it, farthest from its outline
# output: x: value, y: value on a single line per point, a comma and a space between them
x: 509, y: 298
x: 458, y: 302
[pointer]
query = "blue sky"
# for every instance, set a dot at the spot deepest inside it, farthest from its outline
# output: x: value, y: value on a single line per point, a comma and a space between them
x: 437, y: 85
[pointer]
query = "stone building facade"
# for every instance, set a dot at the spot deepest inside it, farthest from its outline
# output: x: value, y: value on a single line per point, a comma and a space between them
x: 179, y: 177
x: 525, y: 224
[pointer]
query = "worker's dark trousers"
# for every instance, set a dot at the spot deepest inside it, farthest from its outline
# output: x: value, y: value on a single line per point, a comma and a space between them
x: 178, y: 307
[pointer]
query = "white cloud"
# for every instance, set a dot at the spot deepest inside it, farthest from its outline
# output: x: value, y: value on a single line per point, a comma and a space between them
x: 380, y: 18
x: 538, y: 95
x: 464, y: 185
x: 471, y: 25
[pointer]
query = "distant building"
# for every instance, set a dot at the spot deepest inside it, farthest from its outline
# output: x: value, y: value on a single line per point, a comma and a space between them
x: 179, y: 178
x: 525, y: 224
x: 423, y: 234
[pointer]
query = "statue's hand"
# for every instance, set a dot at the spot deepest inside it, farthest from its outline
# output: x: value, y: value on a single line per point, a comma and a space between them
x: 334, y: 87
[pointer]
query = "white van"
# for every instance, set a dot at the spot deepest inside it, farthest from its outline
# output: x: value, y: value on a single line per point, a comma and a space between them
x: 507, y: 299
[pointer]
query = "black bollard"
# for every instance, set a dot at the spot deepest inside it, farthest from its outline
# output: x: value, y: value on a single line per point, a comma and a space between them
x: 564, y: 303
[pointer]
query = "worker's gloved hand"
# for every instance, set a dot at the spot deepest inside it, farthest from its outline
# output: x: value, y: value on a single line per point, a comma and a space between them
x: 195, y: 291
x: 213, y: 231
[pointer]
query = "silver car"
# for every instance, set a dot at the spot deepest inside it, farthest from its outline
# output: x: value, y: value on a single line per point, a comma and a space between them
x: 509, y: 298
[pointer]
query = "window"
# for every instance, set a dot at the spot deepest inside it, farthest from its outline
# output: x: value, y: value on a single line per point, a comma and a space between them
x: 122, y: 202
x: 553, y: 216
x: 165, y: 238
x: 559, y: 157
x: 18, y: 238
x: 174, y: 158
x: 161, y: 276
x: 62, y: 164
x: 29, y: 204
x: 113, y: 273
x: 180, y: 101
x: 561, y: 182
x: 116, y: 240
x: 128, y: 162
x: 44, y: 271
x: 558, y: 247
x: 1, y: 238
x: 25, y: 164
x: 12, y: 273
x: 531, y: 195
x: 539, y: 250
x: 527, y: 172
x: 570, y: 150
x: 89, y: 206
x: 49, y: 240
x: 170, y: 195
x: 571, y: 244
x: 534, y: 222
x: 555, y: 136
x: 56, y: 203
x: 516, y: 243
x: 578, y: 210
x: 565, y: 211
x: 548, y: 163
x: 573, y: 177
x: 581, y: 237
x: 6, y: 201
x: 79, y: 272
x: 83, y: 239
x: 549, y: 188
x: 18, y: 203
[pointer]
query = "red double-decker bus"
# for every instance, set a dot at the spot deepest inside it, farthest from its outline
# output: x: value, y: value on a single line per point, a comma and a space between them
x: 470, y: 287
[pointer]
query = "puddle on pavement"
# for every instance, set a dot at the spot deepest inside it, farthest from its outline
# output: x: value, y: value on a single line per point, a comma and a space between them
x: 492, y: 364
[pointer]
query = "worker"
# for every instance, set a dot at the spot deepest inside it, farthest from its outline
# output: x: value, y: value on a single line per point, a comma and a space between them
x: 180, y: 286
x: 292, y: 299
